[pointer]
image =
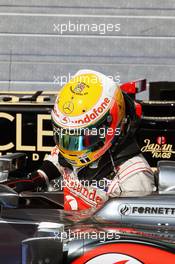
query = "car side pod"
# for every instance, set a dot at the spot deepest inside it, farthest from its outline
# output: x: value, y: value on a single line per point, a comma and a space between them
x: 156, y: 210
x: 8, y: 197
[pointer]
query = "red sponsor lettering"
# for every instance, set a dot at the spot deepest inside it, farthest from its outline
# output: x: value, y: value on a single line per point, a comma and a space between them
x: 95, y: 113
x: 87, y: 192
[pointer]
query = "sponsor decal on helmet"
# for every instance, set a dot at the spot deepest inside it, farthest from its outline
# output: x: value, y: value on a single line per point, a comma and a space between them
x: 86, y: 119
x: 96, y: 112
x: 78, y: 89
x: 68, y: 107
x: 65, y: 120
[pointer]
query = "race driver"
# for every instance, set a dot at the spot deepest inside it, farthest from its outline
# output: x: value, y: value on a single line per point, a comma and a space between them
x: 96, y: 156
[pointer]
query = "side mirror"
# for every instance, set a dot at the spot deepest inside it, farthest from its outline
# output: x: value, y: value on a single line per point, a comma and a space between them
x: 8, y: 197
x: 12, y: 164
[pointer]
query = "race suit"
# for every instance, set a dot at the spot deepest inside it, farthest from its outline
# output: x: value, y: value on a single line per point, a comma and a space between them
x: 91, y: 186
x: 114, y: 174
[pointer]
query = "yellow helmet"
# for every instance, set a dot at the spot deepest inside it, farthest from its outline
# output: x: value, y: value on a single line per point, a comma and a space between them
x: 87, y: 117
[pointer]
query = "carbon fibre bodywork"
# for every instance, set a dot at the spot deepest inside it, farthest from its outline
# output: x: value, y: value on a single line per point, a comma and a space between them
x: 38, y: 230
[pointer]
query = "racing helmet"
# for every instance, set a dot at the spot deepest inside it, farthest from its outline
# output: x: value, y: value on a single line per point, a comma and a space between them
x: 87, y: 117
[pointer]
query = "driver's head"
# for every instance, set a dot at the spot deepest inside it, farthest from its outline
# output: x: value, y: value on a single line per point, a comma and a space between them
x: 87, y: 117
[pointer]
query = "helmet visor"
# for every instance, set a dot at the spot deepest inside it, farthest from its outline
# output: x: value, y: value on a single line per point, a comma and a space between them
x: 78, y: 141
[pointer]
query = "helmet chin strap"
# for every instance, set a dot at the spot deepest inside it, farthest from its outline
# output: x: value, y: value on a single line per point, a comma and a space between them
x: 115, y: 169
